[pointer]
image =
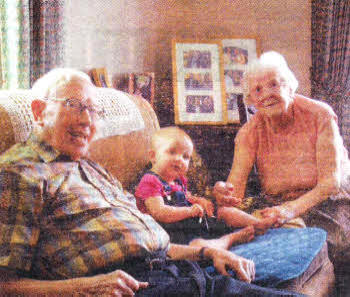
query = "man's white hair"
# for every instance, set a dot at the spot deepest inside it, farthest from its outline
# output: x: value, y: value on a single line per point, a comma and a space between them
x: 48, y: 85
x: 269, y: 61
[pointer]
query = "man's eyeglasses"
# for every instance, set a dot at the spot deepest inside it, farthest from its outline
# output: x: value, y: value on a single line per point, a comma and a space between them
x: 78, y: 107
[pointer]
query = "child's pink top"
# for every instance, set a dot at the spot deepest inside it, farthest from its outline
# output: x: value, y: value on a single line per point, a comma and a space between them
x: 151, y: 186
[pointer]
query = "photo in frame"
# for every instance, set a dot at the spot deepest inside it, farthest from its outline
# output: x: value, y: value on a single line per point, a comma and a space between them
x: 198, y: 89
x: 99, y: 77
x: 237, y: 53
x: 142, y: 84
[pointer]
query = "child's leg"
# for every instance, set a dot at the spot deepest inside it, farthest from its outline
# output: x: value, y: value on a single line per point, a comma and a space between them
x: 225, y: 242
x: 234, y: 217
x: 293, y: 223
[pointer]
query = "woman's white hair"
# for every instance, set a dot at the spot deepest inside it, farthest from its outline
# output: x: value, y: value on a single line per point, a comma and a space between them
x: 269, y: 61
x: 48, y: 85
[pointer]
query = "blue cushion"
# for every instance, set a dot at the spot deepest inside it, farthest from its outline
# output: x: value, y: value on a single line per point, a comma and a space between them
x: 281, y: 254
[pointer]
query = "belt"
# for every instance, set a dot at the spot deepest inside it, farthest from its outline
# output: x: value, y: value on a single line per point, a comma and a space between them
x: 153, y: 261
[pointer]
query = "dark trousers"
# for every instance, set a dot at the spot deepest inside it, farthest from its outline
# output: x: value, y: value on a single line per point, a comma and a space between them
x: 187, y: 279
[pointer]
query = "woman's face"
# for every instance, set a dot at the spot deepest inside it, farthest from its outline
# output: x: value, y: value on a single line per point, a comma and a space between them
x: 270, y: 93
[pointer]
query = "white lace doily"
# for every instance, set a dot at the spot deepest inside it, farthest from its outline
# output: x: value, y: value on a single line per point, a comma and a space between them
x: 122, y: 116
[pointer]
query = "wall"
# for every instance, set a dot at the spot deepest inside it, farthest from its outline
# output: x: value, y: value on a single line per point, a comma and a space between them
x: 135, y: 35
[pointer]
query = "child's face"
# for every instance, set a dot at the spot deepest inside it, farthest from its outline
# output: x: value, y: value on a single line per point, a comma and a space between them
x: 172, y: 157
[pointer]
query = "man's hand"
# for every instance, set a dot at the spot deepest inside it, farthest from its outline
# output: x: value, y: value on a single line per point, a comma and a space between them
x: 223, y: 193
x: 245, y: 269
x: 117, y: 283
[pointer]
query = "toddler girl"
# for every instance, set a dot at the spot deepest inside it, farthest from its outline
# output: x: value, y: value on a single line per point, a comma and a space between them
x: 162, y: 192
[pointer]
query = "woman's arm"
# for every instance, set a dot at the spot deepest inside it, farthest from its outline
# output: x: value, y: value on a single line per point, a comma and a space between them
x: 222, y: 260
x: 110, y: 284
x: 170, y: 214
x: 328, y: 157
x: 243, y: 162
x: 233, y: 192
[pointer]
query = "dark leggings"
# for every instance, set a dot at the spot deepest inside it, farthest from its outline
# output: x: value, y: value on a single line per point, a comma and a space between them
x: 184, y: 231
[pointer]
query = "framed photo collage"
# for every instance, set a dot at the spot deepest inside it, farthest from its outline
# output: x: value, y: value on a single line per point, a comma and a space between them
x: 207, y: 80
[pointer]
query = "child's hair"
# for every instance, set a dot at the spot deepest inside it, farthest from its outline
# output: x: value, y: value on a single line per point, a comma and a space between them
x: 167, y: 133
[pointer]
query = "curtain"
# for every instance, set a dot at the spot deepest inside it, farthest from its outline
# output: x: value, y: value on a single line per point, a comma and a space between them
x: 46, y: 38
x: 31, y: 40
x: 14, y: 44
x: 330, y: 73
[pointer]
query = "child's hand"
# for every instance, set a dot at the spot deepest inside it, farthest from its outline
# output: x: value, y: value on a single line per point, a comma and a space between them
x: 207, y: 205
x: 197, y: 210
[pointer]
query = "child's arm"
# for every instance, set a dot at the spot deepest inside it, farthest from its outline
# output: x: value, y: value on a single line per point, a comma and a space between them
x: 171, y: 214
x: 205, y: 203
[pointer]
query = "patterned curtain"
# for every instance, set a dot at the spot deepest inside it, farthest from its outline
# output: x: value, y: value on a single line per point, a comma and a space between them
x: 46, y: 39
x: 31, y: 40
x: 14, y: 44
x: 330, y: 71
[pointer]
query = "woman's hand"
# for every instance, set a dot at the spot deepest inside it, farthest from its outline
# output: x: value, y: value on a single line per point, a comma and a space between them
x: 281, y: 213
x: 223, y: 193
x: 222, y: 259
x: 117, y: 283
x: 197, y: 210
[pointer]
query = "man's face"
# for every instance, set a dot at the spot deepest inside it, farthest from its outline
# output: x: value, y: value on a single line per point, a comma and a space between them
x: 69, y: 123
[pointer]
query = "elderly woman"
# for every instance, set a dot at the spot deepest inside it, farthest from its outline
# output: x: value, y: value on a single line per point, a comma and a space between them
x: 303, y: 166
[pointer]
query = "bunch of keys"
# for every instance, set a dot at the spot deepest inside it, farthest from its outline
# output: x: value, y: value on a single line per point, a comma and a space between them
x: 205, y: 221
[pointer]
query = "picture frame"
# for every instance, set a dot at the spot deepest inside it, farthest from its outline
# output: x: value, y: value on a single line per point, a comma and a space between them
x: 142, y: 84
x: 100, y: 78
x: 121, y: 82
x: 237, y: 53
x: 198, y: 88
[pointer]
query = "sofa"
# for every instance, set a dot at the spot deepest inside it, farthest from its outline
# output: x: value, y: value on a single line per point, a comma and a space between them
x: 122, y: 147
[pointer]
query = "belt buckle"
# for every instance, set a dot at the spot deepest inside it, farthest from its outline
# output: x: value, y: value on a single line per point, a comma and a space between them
x: 154, y: 262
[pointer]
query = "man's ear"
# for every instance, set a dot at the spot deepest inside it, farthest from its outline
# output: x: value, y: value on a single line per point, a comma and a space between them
x: 38, y: 107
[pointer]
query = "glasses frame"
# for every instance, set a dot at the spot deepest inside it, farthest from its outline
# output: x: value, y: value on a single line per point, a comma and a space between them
x: 79, y: 107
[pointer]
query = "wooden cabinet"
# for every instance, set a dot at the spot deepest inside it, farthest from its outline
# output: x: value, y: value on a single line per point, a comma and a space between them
x: 215, y: 145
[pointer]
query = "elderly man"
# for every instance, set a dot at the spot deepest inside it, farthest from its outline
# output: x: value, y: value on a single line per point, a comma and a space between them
x: 68, y: 229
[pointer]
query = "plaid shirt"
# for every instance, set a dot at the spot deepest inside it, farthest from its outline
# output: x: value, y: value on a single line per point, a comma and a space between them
x: 62, y: 219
